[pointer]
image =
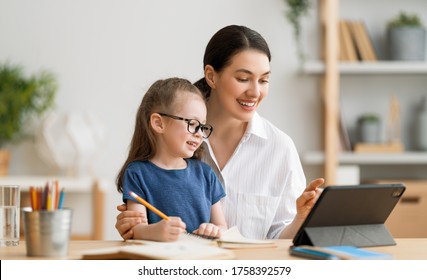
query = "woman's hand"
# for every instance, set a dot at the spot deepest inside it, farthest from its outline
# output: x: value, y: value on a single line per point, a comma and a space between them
x: 308, y: 198
x: 304, y: 204
x: 127, y: 219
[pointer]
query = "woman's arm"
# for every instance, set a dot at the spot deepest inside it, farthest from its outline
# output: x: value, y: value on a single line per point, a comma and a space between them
x: 304, y: 205
x: 127, y: 219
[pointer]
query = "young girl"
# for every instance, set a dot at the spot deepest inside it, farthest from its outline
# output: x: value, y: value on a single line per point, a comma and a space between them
x: 163, y: 167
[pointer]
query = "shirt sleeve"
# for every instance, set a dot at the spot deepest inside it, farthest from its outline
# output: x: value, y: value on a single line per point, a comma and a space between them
x: 131, y: 182
x: 293, y: 186
x: 217, y: 190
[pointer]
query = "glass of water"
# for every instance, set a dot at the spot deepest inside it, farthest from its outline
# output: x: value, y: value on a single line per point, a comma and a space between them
x: 9, y: 215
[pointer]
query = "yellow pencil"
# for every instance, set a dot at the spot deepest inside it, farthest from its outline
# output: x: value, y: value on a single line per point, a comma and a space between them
x: 149, y: 206
x: 48, y: 201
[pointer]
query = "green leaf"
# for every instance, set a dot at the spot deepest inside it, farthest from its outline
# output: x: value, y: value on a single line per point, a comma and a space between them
x: 22, y: 98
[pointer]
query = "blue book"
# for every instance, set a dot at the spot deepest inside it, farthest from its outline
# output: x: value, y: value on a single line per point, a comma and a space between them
x: 337, y: 253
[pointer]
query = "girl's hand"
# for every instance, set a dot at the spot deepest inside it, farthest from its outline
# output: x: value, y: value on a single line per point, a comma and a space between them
x: 168, y: 230
x: 208, y: 230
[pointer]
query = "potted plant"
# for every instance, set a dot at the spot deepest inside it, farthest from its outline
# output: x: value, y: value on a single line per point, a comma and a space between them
x: 297, y: 9
x: 406, y: 37
x: 21, y: 99
x: 369, y: 127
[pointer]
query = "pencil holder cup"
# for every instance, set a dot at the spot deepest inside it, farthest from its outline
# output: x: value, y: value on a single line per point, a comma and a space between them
x: 47, y: 233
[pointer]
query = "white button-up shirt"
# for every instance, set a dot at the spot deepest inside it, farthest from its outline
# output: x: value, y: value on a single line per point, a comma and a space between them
x: 262, y: 180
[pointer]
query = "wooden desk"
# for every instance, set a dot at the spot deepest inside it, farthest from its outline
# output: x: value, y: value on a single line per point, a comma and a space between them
x: 406, y: 249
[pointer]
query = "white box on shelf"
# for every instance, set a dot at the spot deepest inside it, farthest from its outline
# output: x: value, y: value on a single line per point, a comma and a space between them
x: 348, y: 175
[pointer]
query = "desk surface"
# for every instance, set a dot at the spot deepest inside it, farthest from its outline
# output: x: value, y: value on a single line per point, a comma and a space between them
x: 406, y: 249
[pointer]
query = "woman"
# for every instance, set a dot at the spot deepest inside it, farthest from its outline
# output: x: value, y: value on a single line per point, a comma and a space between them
x: 257, y: 163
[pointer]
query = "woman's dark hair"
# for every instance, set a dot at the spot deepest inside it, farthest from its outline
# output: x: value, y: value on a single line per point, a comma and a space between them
x: 226, y: 43
x: 160, y: 97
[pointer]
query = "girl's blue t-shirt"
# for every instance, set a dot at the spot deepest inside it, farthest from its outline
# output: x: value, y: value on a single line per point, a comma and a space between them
x: 186, y: 193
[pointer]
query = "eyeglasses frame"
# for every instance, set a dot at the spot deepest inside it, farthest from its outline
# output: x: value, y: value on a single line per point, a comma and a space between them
x: 197, y: 128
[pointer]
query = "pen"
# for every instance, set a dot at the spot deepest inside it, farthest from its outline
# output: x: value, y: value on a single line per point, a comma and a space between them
x: 149, y: 206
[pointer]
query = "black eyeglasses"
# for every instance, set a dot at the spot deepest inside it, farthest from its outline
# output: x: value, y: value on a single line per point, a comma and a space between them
x: 193, y: 126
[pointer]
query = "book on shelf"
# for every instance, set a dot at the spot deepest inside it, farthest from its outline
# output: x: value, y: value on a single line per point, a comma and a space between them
x: 344, y: 137
x: 362, y: 41
x: 347, y: 49
x: 337, y: 253
x: 392, y: 147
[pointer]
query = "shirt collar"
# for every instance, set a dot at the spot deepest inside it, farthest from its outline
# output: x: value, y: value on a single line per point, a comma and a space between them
x: 256, y: 127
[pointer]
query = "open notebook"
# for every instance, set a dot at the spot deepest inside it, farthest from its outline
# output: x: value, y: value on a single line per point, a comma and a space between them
x: 233, y: 239
x: 186, y: 247
x: 182, y: 249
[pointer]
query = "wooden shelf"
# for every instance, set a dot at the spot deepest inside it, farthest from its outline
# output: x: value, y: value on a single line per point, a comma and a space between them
x: 380, y: 67
x: 330, y: 70
x: 416, y: 158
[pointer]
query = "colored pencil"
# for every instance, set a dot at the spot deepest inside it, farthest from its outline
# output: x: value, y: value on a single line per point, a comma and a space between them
x: 61, y: 198
x: 56, y: 203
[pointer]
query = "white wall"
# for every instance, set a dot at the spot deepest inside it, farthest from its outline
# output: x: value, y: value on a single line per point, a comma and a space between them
x: 106, y: 54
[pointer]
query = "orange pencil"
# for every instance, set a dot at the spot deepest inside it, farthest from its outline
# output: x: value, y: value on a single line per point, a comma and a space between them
x: 149, y: 206
x: 56, y: 194
x: 33, y: 196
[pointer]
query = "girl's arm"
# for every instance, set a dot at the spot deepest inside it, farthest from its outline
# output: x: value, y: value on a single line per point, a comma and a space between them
x: 216, y: 225
x: 165, y: 230
x: 217, y: 216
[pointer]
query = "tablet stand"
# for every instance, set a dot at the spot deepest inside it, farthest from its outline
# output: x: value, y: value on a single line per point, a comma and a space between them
x: 351, y: 235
